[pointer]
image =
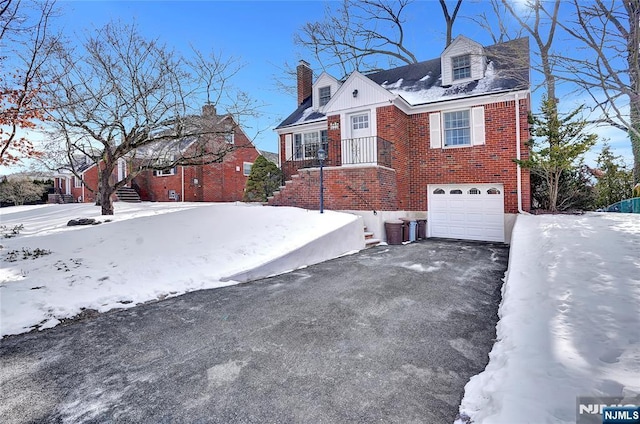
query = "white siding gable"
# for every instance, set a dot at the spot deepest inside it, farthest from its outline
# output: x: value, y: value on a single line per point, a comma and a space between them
x: 459, y: 47
x: 356, y: 92
x: 324, y: 80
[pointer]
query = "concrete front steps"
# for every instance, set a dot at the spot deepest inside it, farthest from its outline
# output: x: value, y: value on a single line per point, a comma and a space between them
x: 127, y: 194
x: 369, y: 239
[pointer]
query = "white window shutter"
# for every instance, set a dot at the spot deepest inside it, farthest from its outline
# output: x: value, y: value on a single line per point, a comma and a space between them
x: 477, y: 117
x: 288, y: 147
x: 435, y: 135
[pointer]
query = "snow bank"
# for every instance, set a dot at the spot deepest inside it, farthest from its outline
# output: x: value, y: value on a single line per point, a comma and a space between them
x: 149, y: 251
x: 569, y: 321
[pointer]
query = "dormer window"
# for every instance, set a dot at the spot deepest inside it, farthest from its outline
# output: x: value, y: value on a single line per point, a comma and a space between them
x: 324, y: 95
x: 461, y: 66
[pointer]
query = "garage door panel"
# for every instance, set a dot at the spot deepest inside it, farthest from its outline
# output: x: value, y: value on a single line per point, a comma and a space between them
x: 466, y: 216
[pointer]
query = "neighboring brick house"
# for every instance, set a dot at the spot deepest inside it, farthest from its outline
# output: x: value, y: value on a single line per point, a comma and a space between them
x: 214, y: 182
x: 435, y: 139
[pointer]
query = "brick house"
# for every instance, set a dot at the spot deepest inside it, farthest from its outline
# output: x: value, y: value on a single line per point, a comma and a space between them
x: 434, y: 140
x: 213, y: 182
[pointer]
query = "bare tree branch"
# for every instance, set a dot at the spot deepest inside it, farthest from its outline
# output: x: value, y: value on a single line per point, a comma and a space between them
x: 126, y: 97
x: 610, y: 31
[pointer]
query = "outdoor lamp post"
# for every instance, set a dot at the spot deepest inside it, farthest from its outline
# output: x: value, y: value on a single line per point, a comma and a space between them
x: 322, y: 155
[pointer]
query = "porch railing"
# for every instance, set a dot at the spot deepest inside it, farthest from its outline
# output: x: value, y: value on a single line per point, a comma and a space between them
x: 367, y: 150
x: 355, y: 151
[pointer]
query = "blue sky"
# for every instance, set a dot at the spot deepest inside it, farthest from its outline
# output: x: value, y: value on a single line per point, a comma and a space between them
x: 261, y: 33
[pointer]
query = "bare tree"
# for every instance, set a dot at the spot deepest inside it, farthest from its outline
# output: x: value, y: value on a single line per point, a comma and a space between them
x: 365, y: 35
x: 126, y: 97
x: 541, y: 22
x: 609, y: 72
x: 497, y: 23
x: 450, y: 18
x: 28, y: 42
x: 20, y: 190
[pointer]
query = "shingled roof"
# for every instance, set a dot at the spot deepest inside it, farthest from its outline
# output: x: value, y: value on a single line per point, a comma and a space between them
x: 421, y: 83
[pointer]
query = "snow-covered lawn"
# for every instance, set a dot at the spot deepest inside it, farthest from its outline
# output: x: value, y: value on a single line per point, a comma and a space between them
x: 569, y: 321
x: 148, y: 251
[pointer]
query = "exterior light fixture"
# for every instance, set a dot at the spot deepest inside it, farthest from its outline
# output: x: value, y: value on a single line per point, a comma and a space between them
x: 355, y: 93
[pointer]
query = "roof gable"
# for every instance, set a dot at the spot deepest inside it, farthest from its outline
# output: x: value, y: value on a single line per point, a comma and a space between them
x: 324, y: 80
x: 357, y: 90
x: 507, y: 69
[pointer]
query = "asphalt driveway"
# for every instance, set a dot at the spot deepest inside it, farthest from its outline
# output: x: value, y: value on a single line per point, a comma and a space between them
x: 391, y: 334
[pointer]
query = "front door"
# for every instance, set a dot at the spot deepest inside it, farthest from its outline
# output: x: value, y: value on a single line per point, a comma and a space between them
x: 359, y: 125
x: 359, y: 147
x: 122, y: 169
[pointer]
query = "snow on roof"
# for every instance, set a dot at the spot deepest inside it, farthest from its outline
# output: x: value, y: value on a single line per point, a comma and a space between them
x: 421, y: 83
x: 304, y: 113
x: 437, y: 93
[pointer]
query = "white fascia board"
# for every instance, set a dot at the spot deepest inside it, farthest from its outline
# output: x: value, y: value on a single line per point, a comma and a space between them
x: 369, y: 107
x: 466, y: 102
x: 318, y: 124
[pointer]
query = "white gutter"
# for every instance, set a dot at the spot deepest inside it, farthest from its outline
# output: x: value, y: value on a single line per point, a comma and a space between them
x: 519, y: 169
x: 182, y: 189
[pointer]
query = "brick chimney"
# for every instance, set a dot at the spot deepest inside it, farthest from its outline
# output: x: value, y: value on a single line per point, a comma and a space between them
x: 305, y: 81
x: 209, y: 111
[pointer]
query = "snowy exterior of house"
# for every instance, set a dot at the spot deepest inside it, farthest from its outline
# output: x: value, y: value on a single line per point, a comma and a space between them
x: 434, y: 140
x: 213, y: 182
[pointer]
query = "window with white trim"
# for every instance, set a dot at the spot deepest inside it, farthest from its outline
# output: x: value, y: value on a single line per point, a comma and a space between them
x: 306, y: 145
x: 246, y: 168
x: 461, y: 67
x: 164, y: 172
x: 359, y: 122
x: 229, y: 137
x: 324, y: 95
x: 457, y: 128
x: 461, y: 128
x: 77, y: 182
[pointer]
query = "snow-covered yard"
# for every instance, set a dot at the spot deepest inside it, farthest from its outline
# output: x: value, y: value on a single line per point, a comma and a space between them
x: 569, y: 321
x: 149, y: 251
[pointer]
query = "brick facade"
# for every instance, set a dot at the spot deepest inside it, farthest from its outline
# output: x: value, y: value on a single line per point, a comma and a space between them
x: 358, y: 188
x: 416, y: 164
x: 216, y: 182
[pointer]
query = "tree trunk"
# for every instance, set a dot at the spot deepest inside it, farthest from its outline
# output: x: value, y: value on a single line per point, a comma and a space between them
x: 106, y: 190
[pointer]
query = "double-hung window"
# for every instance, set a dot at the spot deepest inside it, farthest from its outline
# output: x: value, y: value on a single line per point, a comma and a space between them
x: 306, y: 145
x: 324, y: 95
x: 461, y: 67
x: 246, y: 168
x: 164, y: 172
x: 457, y: 128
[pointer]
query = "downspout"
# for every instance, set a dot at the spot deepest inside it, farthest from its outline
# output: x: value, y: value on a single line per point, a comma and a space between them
x: 182, y: 188
x: 519, y: 169
x: 83, y: 198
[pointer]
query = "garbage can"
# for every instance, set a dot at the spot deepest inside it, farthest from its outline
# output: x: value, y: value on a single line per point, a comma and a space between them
x: 413, y: 230
x: 405, y: 229
x: 422, y: 229
x: 393, y: 229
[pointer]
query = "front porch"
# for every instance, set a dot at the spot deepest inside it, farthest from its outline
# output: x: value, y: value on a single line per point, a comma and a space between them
x: 362, y: 151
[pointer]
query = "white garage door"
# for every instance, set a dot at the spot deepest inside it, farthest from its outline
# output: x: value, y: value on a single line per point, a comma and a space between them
x: 466, y: 211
